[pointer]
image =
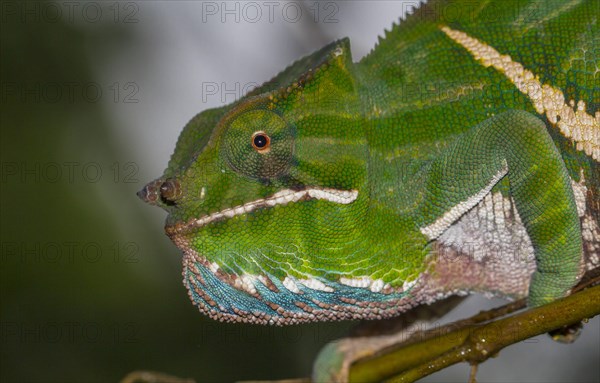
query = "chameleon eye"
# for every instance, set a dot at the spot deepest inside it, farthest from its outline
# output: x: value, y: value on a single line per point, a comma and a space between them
x: 261, y: 142
x: 249, y: 150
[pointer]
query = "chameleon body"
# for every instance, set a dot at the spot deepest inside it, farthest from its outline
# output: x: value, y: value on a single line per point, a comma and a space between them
x: 460, y: 155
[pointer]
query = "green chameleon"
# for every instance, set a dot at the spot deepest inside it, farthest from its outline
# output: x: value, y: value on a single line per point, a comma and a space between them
x: 460, y: 155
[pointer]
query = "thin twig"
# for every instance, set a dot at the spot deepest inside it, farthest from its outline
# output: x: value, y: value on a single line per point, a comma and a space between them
x: 473, y: 373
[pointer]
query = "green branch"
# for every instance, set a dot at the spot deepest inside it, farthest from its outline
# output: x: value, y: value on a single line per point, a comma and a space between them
x: 474, y: 340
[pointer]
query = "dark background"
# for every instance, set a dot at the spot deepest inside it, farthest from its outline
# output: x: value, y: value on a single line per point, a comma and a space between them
x: 93, y: 96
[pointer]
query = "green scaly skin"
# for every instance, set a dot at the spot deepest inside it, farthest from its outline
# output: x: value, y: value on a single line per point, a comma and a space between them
x: 425, y: 151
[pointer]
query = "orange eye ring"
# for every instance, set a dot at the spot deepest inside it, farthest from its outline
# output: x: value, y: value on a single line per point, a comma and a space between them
x: 261, y: 142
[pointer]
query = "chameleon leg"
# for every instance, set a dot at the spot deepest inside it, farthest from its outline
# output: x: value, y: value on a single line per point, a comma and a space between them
x: 514, y: 144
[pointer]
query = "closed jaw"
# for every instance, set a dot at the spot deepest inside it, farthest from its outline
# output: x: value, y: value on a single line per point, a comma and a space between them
x: 282, y: 197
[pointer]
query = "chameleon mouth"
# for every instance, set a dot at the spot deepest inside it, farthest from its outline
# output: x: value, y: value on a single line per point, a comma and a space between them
x: 282, y: 197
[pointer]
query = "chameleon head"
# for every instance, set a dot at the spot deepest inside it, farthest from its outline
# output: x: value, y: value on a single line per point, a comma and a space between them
x: 267, y: 197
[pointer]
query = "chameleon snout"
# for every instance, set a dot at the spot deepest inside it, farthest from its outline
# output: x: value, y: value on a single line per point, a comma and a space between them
x: 161, y: 191
x: 150, y: 192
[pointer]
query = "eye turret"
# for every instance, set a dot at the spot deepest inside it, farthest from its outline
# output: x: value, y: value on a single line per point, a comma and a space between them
x: 259, y: 144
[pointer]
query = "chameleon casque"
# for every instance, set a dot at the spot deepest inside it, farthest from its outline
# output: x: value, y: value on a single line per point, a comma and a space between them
x: 460, y: 155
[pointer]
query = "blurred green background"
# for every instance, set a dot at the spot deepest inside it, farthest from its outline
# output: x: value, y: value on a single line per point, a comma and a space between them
x: 91, y: 106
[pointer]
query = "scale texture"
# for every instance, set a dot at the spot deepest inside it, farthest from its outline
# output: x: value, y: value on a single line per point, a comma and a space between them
x: 461, y: 155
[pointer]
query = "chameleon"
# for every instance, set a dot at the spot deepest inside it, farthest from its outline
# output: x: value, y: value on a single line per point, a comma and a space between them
x: 461, y: 155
